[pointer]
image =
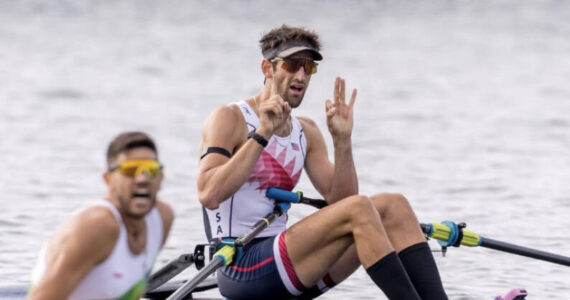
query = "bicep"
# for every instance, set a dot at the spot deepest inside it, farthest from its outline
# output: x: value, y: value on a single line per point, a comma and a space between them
x: 224, y: 129
x: 84, y: 242
x: 220, y: 129
x: 63, y: 274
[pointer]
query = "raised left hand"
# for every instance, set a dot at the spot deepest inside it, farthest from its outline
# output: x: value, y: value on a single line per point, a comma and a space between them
x: 339, y: 114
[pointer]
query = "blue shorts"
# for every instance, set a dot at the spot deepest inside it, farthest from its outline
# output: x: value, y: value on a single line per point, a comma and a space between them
x: 265, y: 272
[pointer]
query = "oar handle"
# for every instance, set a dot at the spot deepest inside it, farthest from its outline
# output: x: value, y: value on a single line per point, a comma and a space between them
x: 283, y: 195
x: 293, y: 197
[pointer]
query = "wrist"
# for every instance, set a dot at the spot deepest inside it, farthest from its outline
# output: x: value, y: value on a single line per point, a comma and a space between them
x: 261, y: 140
x: 342, y: 142
x: 265, y: 133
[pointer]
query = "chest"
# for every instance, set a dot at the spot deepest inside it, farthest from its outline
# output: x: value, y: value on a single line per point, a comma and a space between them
x: 280, y: 163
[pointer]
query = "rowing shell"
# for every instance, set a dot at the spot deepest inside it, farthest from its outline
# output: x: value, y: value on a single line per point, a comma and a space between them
x: 162, y: 292
x: 167, y: 289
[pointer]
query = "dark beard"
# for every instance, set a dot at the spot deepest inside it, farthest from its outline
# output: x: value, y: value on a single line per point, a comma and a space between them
x: 291, y: 104
x: 126, y: 212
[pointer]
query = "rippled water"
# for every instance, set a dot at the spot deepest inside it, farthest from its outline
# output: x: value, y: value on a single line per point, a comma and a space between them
x: 463, y: 107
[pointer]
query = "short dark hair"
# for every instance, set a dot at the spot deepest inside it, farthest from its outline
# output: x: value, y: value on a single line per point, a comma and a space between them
x: 276, y: 37
x: 127, y: 141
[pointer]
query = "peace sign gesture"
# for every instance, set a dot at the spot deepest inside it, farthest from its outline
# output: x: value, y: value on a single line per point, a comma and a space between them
x: 339, y: 114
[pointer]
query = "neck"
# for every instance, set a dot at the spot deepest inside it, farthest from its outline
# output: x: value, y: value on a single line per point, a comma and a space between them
x: 136, y: 233
x: 285, y: 129
x: 134, y: 225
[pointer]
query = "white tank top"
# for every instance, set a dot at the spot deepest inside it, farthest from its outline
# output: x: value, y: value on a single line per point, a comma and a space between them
x: 122, y: 275
x: 279, y: 165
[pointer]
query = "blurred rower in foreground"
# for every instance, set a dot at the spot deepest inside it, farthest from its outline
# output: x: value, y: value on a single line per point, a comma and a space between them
x: 107, y: 250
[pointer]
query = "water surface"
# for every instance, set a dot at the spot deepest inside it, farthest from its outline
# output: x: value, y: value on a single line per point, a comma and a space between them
x: 462, y: 106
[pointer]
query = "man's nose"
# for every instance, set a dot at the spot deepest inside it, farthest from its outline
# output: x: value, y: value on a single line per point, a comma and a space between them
x: 143, y: 175
x: 301, y: 73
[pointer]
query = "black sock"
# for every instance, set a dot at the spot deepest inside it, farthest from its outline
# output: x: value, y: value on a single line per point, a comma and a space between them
x: 390, y: 276
x: 421, y: 267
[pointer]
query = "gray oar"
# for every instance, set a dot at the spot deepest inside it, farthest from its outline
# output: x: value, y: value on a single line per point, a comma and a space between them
x: 168, y: 271
x: 176, y: 266
x: 448, y: 233
x: 225, y: 255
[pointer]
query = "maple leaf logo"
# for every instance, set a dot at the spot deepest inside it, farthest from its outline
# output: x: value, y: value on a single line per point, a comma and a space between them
x: 272, y: 171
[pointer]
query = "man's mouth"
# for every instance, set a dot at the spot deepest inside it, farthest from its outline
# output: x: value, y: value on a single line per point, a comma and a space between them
x: 296, y: 87
x: 141, y: 195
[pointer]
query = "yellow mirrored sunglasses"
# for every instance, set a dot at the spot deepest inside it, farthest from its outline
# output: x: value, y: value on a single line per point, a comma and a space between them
x: 133, y: 168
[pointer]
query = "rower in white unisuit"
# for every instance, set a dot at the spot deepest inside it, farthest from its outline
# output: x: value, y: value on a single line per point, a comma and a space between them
x: 280, y: 165
x: 111, y: 273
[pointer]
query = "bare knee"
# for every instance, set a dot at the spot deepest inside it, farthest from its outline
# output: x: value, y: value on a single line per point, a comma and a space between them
x: 393, y: 206
x: 362, y: 209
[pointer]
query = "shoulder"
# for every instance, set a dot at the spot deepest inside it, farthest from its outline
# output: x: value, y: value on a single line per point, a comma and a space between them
x: 311, y: 129
x: 97, y: 219
x: 225, y: 114
x: 225, y: 128
x: 166, y: 212
x: 167, y: 215
x: 305, y: 121
x: 225, y: 121
x: 92, y: 232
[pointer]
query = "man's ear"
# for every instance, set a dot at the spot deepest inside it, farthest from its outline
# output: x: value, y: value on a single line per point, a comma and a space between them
x: 160, y: 178
x: 267, y: 68
x: 107, y: 178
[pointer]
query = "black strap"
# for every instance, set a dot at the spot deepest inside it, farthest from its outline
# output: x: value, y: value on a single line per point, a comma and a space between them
x: 258, y: 138
x: 218, y: 150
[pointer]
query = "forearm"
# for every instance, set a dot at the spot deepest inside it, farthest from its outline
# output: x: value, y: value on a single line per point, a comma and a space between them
x: 218, y: 184
x: 345, y: 181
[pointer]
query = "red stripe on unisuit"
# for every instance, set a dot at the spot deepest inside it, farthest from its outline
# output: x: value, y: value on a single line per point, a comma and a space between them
x: 256, y: 266
x: 288, y: 265
x: 328, y: 280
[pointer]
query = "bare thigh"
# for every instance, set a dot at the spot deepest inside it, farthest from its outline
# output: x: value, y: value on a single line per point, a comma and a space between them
x: 400, y: 224
x: 317, y: 242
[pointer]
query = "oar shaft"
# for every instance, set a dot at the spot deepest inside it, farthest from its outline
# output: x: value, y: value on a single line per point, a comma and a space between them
x: 256, y: 229
x: 524, y: 251
x: 446, y: 234
x: 170, y: 270
x: 187, y: 288
x: 440, y: 231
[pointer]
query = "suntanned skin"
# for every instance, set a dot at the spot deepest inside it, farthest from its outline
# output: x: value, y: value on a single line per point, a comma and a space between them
x: 353, y: 230
x: 89, y: 237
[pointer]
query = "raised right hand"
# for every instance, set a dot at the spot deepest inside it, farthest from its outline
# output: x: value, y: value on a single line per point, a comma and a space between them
x: 273, y: 110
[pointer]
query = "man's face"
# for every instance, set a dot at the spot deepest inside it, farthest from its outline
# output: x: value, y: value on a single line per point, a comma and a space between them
x: 292, y: 84
x: 134, y: 181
